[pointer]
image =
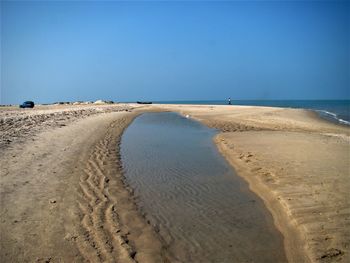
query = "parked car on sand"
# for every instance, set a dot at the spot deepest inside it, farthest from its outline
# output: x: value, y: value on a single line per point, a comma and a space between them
x: 27, y: 104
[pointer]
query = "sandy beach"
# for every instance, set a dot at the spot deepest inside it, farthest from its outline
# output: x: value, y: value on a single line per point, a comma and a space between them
x: 175, y: 131
x: 63, y: 198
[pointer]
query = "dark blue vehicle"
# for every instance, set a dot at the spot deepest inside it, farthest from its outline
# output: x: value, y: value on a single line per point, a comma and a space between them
x: 27, y: 104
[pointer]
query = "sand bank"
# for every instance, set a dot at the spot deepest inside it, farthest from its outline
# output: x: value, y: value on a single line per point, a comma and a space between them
x: 62, y: 193
x: 63, y: 198
x: 298, y: 164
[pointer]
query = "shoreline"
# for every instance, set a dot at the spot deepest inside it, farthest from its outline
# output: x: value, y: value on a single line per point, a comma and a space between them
x: 131, y: 237
x: 294, y: 243
x: 325, y: 114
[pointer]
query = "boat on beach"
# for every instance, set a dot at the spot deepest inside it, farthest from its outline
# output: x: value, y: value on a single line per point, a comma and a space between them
x: 144, y: 102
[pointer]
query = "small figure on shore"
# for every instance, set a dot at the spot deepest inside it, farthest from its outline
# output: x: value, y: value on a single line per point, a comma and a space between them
x: 229, y: 101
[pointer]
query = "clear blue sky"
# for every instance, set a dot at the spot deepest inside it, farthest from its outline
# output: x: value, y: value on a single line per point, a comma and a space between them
x: 126, y: 51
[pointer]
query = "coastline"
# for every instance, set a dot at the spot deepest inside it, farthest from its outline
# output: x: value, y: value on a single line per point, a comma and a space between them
x: 330, y: 110
x: 259, y: 141
x: 70, y: 155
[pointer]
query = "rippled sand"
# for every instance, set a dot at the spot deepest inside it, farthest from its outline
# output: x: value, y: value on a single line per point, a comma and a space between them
x: 204, y: 212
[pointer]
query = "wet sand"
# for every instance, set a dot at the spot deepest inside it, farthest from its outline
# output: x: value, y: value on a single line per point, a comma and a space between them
x: 298, y: 164
x: 63, y: 199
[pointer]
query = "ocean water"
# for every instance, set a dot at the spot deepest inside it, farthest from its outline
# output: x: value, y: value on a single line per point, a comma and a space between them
x: 337, y: 111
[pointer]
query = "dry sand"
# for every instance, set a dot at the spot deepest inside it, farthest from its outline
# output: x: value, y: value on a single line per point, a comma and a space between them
x: 16, y: 125
x: 298, y: 164
x: 62, y: 193
x: 63, y: 198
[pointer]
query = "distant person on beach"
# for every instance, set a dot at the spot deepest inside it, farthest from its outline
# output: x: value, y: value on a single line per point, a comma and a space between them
x: 229, y: 101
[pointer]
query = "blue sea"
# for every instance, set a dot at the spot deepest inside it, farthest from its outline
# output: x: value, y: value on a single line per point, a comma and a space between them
x: 337, y: 111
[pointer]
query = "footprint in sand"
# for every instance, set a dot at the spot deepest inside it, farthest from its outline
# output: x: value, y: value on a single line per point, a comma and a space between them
x: 256, y: 169
x: 269, y: 177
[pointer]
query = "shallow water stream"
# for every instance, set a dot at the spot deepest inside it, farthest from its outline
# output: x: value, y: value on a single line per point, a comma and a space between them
x: 203, y: 211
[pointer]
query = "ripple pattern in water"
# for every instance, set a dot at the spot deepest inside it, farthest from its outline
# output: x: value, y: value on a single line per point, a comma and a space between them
x: 204, y: 212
